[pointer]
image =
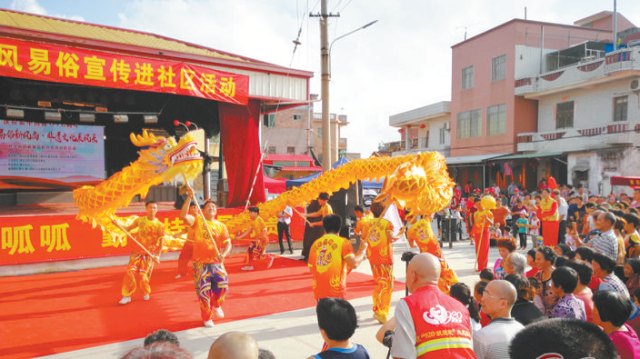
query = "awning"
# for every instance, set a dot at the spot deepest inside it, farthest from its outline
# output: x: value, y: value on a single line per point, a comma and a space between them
x: 581, y: 167
x: 530, y: 155
x: 472, y: 159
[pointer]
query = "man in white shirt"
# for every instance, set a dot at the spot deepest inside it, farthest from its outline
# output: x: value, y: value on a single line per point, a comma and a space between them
x: 284, y: 219
x: 563, y: 209
x: 606, y: 241
x: 493, y: 340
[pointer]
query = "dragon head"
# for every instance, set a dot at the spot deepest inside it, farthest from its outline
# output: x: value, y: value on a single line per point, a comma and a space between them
x: 168, y: 157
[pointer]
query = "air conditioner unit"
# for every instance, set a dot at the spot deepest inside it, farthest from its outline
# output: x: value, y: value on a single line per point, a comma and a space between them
x: 634, y: 84
x: 446, y: 126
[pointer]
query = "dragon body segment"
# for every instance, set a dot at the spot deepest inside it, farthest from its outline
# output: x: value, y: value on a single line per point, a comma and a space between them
x: 420, y: 182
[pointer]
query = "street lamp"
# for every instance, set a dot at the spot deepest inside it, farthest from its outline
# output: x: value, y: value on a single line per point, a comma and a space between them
x: 326, y: 77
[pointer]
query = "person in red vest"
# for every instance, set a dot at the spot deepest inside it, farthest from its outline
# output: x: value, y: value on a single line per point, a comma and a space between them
x: 429, y: 323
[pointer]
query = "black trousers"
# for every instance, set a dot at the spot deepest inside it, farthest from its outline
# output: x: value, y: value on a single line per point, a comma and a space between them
x: 523, y: 239
x: 283, y: 228
x: 562, y: 230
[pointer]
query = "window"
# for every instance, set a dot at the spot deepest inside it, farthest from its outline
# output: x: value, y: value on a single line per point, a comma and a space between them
x: 272, y: 150
x: 620, y: 108
x: 320, y: 158
x: 498, y: 68
x: 442, y: 135
x: 496, y: 120
x: 564, y: 114
x: 467, y: 78
x: 469, y: 124
x: 291, y: 150
x: 269, y: 120
x: 320, y: 132
x: 297, y: 117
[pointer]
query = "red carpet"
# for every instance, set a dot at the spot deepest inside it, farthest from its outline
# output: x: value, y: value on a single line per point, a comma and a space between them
x: 54, y: 313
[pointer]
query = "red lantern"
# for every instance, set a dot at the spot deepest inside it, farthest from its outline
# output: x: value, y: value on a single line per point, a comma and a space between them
x: 408, y: 126
x: 401, y: 130
x: 475, y: 176
x: 423, y: 126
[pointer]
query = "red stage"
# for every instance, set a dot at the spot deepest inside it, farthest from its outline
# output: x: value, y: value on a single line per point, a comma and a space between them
x: 56, y: 313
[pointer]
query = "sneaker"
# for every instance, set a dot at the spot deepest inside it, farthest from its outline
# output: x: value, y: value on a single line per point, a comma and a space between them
x: 208, y: 324
x: 247, y: 268
x: 281, y: 251
x: 290, y: 251
x: 270, y: 263
x: 145, y: 297
x: 125, y: 300
x: 219, y: 312
x: 380, y: 318
x: 178, y: 276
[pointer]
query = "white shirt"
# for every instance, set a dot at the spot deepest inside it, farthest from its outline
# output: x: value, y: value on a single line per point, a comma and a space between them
x: 285, y: 219
x: 493, y: 340
x: 562, y: 210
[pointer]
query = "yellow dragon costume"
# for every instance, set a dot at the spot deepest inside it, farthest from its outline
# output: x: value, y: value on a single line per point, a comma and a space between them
x: 419, y: 182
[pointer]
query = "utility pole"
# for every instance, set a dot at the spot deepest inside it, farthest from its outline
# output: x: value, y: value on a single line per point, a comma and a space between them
x: 326, y: 77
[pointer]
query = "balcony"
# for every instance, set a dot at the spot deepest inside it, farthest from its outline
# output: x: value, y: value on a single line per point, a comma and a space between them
x: 579, y: 139
x: 613, y: 66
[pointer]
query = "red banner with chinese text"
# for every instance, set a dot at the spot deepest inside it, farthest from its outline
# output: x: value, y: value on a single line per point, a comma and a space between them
x: 45, y: 62
x: 31, y: 239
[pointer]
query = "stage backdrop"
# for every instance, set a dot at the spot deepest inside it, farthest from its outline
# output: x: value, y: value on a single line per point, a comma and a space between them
x: 31, y: 239
x: 48, y: 155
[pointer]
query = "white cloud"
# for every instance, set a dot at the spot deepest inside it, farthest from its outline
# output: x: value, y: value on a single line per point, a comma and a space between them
x: 33, y: 7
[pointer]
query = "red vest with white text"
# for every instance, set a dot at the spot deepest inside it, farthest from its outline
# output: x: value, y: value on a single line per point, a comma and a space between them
x: 443, y: 328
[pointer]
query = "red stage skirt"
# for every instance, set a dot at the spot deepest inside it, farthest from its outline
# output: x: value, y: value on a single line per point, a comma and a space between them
x: 482, y: 248
x: 550, y: 233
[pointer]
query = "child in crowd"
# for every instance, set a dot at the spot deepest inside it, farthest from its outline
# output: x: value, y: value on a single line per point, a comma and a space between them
x: 486, y: 275
x: 523, y: 227
x: 478, y: 292
x: 537, y: 299
x: 570, y: 237
x: 338, y: 321
x: 534, y: 230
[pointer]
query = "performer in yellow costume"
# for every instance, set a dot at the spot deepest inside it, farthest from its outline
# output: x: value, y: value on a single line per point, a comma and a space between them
x: 364, y: 219
x: 330, y: 258
x: 151, y: 236
x: 380, y: 253
x: 421, y: 235
x: 212, y: 244
x: 325, y: 208
x: 259, y: 242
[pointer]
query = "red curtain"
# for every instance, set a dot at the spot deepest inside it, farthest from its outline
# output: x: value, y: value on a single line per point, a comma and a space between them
x: 239, y: 131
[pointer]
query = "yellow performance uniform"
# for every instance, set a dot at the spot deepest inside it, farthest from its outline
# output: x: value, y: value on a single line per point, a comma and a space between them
x: 259, y: 242
x: 140, y: 263
x: 420, y: 234
x: 325, y: 210
x: 210, y: 277
x: 328, y: 266
x: 380, y: 254
x: 362, y: 226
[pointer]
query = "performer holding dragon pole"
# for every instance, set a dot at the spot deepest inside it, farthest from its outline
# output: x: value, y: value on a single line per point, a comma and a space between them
x: 210, y: 276
x: 150, y: 238
x: 420, y: 235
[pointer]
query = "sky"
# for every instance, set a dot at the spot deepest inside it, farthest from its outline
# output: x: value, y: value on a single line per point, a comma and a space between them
x: 400, y: 63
